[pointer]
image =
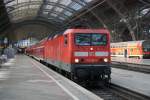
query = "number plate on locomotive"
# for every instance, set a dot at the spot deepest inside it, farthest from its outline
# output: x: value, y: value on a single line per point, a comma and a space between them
x: 91, y: 53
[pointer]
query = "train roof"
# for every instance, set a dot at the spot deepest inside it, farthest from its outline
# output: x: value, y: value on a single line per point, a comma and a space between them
x: 86, y: 31
x: 128, y: 43
x: 140, y: 41
x: 45, y: 39
x: 77, y: 31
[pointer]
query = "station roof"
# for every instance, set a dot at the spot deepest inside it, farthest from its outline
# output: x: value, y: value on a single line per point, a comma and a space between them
x: 54, y: 11
x: 57, y: 15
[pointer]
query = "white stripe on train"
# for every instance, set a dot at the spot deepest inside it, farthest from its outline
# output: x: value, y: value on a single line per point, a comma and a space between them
x: 100, y: 53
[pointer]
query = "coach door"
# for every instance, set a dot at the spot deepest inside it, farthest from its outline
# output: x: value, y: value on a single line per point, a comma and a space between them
x: 125, y: 53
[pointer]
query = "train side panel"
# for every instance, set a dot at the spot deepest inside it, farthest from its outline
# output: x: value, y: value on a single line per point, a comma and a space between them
x: 131, y: 49
x: 59, y: 52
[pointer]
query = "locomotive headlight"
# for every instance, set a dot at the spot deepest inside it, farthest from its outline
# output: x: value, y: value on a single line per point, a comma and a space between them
x: 76, y: 60
x: 105, y: 60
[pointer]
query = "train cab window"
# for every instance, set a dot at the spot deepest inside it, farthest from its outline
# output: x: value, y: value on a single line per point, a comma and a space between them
x: 65, y: 40
x: 99, y: 39
x: 88, y: 39
x: 83, y: 39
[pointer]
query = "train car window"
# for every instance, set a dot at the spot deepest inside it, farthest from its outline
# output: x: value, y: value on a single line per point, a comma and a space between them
x: 65, y: 40
x: 94, y: 39
x: 146, y: 48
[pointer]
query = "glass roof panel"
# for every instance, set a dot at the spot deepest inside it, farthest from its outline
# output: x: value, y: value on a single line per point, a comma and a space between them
x: 59, y: 10
x: 53, y: 0
x: 68, y: 13
x: 21, y: 1
x: 87, y: 0
x: 61, y: 18
x: 48, y: 7
x: 11, y: 3
x: 53, y: 14
x: 34, y: 6
x: 65, y: 2
x: 23, y: 14
x: 75, y: 6
x: 45, y: 13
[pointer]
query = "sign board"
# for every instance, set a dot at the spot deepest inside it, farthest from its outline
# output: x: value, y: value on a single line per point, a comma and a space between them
x: 5, y: 40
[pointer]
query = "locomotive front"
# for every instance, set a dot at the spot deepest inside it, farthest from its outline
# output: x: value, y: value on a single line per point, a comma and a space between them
x: 91, y: 55
x: 146, y: 49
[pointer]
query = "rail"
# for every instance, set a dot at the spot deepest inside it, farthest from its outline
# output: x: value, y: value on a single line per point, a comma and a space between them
x: 113, y: 92
x: 131, y: 66
x: 128, y: 94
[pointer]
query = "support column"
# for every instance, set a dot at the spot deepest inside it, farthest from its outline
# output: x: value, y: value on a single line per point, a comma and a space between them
x: 123, y: 13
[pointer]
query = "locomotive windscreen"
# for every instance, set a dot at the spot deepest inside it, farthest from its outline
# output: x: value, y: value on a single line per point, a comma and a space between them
x: 90, y: 39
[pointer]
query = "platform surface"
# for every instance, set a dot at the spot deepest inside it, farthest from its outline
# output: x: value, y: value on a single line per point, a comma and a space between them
x: 136, y: 81
x: 27, y: 79
x: 131, y: 60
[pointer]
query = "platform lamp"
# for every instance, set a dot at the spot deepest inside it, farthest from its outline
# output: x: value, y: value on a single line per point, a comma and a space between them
x: 5, y: 42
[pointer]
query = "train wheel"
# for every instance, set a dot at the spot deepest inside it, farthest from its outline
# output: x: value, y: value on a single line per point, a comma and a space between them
x: 66, y: 75
x: 72, y: 77
x: 59, y: 70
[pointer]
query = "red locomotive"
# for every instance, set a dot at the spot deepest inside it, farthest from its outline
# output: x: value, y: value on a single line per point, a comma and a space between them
x: 83, y: 53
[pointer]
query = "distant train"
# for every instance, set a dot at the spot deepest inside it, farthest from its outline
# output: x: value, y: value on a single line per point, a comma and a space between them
x: 131, y: 49
x: 83, y: 53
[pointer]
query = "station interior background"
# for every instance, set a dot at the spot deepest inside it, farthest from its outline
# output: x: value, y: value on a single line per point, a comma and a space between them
x: 25, y: 22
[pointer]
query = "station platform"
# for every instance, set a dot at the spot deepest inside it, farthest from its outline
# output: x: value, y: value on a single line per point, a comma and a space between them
x: 131, y: 60
x: 26, y: 79
x: 135, y: 81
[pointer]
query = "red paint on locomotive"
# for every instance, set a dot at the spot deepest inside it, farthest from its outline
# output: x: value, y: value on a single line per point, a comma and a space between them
x: 81, y: 52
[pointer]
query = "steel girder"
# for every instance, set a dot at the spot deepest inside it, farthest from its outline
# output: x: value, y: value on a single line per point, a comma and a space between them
x: 124, y: 14
x: 147, y: 2
x: 4, y: 20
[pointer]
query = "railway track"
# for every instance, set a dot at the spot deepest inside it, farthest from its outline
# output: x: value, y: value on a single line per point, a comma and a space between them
x: 127, y: 94
x: 133, y: 67
x: 105, y: 93
x: 113, y: 92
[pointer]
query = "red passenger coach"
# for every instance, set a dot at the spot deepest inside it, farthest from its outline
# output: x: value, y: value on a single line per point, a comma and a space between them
x: 37, y: 50
x: 83, y: 53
